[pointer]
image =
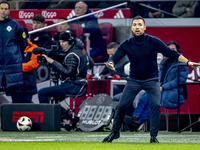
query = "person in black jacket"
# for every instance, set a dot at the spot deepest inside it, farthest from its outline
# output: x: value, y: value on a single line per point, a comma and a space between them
x: 73, y: 69
x: 141, y: 50
x: 12, y: 44
x: 90, y: 25
x: 60, y: 28
x: 111, y: 48
x: 40, y: 38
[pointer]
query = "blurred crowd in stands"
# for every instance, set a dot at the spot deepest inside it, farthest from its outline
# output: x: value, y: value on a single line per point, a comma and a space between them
x: 146, y: 9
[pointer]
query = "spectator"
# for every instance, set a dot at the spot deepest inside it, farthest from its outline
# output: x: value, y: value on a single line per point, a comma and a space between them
x: 13, y: 42
x: 61, y: 5
x: 168, y: 87
x: 105, y: 4
x: 70, y: 4
x: 197, y: 10
x: 41, y: 38
x: 165, y: 6
x: 61, y: 28
x: 111, y: 48
x: 90, y: 25
x: 137, y: 9
x: 29, y: 66
x: 30, y: 4
x: 149, y: 13
x: 185, y: 9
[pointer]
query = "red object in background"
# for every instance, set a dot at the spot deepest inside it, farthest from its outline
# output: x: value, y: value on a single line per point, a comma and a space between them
x: 29, y: 26
x: 107, y: 32
x: 57, y: 13
x: 116, y: 77
x: 76, y: 29
x: 88, y: 76
x: 53, y: 30
x: 190, y: 49
x: 21, y: 22
x: 94, y: 87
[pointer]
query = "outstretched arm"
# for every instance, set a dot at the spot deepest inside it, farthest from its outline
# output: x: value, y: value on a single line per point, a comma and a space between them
x: 181, y: 58
x: 110, y: 65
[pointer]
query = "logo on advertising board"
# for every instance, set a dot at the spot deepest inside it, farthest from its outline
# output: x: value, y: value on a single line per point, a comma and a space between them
x: 119, y: 15
x: 48, y: 15
x: 38, y: 115
x: 71, y: 14
x: 194, y: 75
x: 25, y: 15
x: 95, y: 112
x: 98, y: 15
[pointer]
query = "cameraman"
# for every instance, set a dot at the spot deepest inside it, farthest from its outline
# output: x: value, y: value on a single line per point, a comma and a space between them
x: 73, y: 69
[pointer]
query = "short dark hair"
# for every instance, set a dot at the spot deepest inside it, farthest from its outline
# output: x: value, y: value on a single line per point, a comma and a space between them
x: 112, y: 45
x: 4, y: 2
x: 138, y: 17
x: 64, y: 18
x: 176, y: 44
x: 38, y: 17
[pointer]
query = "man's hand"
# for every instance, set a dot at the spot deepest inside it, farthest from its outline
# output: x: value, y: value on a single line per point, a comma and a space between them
x: 194, y: 64
x: 49, y: 60
x: 110, y: 65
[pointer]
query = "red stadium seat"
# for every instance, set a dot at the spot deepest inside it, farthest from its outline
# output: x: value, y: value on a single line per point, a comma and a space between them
x: 29, y: 26
x: 107, y: 32
x: 21, y: 22
x: 76, y: 29
x: 53, y: 30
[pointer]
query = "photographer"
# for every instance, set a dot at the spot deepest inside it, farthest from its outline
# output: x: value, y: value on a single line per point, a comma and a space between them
x: 73, y: 69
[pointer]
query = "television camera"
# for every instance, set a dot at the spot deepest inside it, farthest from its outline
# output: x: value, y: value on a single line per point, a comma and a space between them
x: 53, y: 53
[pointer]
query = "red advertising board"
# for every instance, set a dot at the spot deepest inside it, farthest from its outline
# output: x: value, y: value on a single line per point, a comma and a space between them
x: 69, y: 13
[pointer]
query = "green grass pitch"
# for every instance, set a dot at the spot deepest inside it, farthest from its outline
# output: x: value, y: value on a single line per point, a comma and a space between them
x: 64, y: 140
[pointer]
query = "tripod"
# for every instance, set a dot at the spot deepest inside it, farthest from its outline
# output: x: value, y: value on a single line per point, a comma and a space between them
x: 190, y: 125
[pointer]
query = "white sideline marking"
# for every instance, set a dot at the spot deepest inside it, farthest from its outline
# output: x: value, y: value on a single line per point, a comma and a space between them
x: 27, y: 140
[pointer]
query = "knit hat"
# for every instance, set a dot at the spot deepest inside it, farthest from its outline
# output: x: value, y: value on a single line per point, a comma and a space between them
x: 65, y: 36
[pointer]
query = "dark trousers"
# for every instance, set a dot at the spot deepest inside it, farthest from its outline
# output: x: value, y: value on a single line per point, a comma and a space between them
x: 117, y: 89
x: 129, y: 109
x: 132, y: 88
x: 18, y: 97
x: 58, y: 91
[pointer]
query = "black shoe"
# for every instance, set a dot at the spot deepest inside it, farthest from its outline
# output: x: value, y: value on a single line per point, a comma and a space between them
x: 153, y: 139
x: 133, y: 121
x: 68, y: 114
x: 111, y: 137
x: 74, y: 120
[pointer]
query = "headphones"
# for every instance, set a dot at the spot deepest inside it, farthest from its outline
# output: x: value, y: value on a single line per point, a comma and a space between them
x: 71, y: 38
